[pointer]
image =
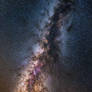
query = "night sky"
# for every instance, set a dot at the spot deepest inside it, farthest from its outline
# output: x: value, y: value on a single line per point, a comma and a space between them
x: 21, y: 27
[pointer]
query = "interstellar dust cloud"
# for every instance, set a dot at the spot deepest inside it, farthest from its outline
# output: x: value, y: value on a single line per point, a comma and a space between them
x: 36, y: 76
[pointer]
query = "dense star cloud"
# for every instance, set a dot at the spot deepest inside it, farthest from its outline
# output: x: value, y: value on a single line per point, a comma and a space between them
x: 55, y: 31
